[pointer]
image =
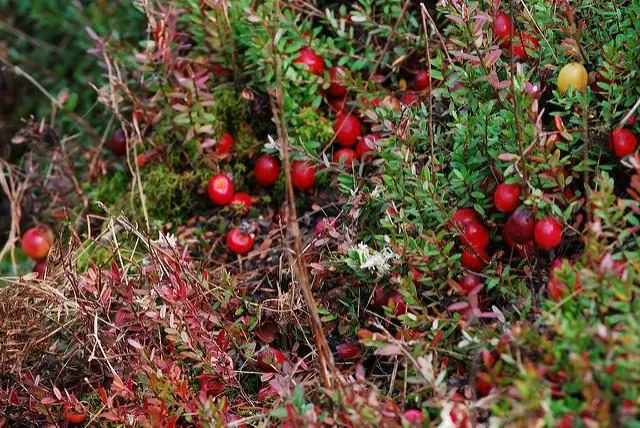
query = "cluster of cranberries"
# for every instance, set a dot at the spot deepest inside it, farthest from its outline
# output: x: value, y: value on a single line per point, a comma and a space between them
x: 36, y: 243
x: 347, y: 126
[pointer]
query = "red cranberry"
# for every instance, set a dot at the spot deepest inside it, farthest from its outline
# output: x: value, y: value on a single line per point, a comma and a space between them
x: 36, y: 243
x: 40, y: 268
x: 519, y: 226
x: 548, y: 233
x: 366, y: 146
x: 347, y: 128
x: 521, y: 45
x: 303, y: 175
x: 475, y: 235
x: 220, y: 189
x: 422, y: 80
x: 623, y: 142
x: 469, y: 282
x: 241, y: 201
x: 463, y: 216
x: 225, y: 144
x: 502, y: 28
x: 313, y: 61
x: 239, y: 242
x: 344, y: 155
x: 118, y: 143
x: 475, y: 260
x: 507, y: 197
x: 337, y: 88
x: 266, y: 170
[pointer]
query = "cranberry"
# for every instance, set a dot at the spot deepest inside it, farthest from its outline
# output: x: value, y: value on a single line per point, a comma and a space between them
x: 118, y: 143
x: 507, y: 197
x: 408, y: 98
x: 40, y: 268
x: 239, y: 242
x: 303, y: 175
x: 521, y: 45
x: 483, y: 384
x: 566, y: 421
x: 36, y: 243
x: 422, y: 80
x: 366, y: 146
x: 225, y: 144
x: 623, y: 142
x: 475, y: 235
x: 469, y: 282
x: 519, y: 226
x: 337, y: 88
x: 220, y: 189
x: 338, y: 104
x: 475, y: 260
x: 502, y: 28
x: 344, y: 155
x: 313, y: 61
x: 266, y: 170
x: 414, y: 417
x: 348, y: 351
x: 463, y: 216
x: 347, y: 128
x: 241, y: 201
x: 75, y: 414
x: 548, y: 233
x: 271, y: 359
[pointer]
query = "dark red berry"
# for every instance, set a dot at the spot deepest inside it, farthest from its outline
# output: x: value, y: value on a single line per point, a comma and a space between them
x: 421, y: 81
x: 366, y: 146
x: 483, y: 384
x: 463, y: 216
x: 337, y: 104
x: 519, y: 226
x: 344, y: 155
x: 118, y: 143
x: 623, y: 142
x: 266, y: 170
x: 239, y: 242
x: 220, y: 189
x: 521, y: 45
x: 475, y: 235
x: 241, y: 201
x: 502, y: 28
x: 507, y: 197
x: 225, y: 144
x: 337, y: 88
x: 40, y: 268
x: 469, y: 282
x: 313, y: 61
x: 548, y: 233
x: 475, y: 260
x: 303, y: 175
x: 347, y: 128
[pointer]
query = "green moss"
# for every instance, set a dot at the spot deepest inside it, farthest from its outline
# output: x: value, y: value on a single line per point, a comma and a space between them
x: 169, y: 195
x: 110, y: 189
x: 311, y: 130
x: 246, y: 142
x: 229, y: 109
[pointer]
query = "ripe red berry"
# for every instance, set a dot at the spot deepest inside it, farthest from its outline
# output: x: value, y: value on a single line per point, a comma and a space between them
x: 548, y: 233
x: 623, y: 142
x: 507, y: 197
x: 303, y: 175
x: 475, y: 235
x: 474, y: 260
x: 502, y: 28
x: 225, y: 144
x: 313, y: 61
x: 469, y: 282
x: 519, y: 226
x: 421, y: 81
x: 266, y: 170
x: 337, y: 88
x: 337, y: 104
x: 408, y: 98
x: 414, y: 417
x: 118, y: 143
x: 36, y: 243
x: 348, y: 351
x: 241, y: 201
x: 75, y: 414
x: 344, y: 155
x: 271, y: 359
x: 239, y: 242
x: 347, y: 128
x: 463, y: 216
x: 366, y: 146
x: 522, y: 44
x: 483, y: 384
x: 220, y: 189
x: 40, y: 268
